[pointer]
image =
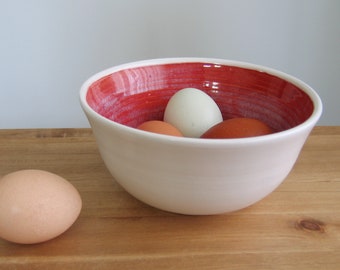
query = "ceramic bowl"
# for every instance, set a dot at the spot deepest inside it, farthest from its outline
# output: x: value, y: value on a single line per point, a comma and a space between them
x: 191, y: 175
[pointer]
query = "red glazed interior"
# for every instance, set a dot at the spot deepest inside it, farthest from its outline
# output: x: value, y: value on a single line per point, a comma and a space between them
x: 135, y: 95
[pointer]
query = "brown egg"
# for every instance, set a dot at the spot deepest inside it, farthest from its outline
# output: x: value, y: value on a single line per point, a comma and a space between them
x: 160, y: 127
x: 237, y: 128
x: 36, y: 206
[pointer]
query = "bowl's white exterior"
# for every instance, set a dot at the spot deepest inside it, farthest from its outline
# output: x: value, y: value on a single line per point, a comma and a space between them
x: 198, y: 176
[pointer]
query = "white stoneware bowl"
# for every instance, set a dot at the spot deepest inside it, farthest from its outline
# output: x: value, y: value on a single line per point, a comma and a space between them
x: 191, y: 175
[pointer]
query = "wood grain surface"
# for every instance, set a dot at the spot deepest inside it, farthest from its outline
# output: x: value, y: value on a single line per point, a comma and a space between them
x: 295, y: 227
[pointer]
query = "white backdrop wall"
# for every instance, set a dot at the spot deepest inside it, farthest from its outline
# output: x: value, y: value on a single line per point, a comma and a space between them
x: 49, y: 48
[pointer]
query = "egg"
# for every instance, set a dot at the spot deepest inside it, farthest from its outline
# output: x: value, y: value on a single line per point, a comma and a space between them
x: 160, y: 127
x: 36, y: 206
x: 238, y: 128
x: 192, y: 111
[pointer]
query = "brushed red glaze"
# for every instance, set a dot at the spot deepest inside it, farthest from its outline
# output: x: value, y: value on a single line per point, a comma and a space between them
x: 136, y: 95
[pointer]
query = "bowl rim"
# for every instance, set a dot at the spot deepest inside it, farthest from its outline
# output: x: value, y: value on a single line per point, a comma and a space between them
x: 307, y: 124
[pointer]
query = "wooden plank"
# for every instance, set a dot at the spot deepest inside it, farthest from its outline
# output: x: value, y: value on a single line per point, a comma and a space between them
x: 295, y: 227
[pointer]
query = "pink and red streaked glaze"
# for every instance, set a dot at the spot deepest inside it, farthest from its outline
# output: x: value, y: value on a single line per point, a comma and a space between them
x: 135, y: 95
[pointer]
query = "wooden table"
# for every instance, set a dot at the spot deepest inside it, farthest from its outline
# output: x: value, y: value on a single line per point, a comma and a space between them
x: 296, y: 227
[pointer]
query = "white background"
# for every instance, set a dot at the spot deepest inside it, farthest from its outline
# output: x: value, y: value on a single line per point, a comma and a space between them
x: 48, y: 48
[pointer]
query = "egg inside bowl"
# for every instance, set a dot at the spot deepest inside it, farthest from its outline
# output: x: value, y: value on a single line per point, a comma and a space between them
x: 193, y: 175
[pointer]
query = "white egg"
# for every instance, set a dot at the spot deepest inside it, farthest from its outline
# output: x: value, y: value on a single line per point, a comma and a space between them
x: 192, y: 111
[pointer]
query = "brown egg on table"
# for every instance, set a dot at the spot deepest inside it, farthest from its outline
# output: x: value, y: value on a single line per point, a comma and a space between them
x: 237, y: 128
x: 36, y: 206
x: 160, y: 127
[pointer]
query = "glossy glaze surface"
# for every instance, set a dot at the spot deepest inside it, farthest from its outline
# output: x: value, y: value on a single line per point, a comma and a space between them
x: 132, y: 96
